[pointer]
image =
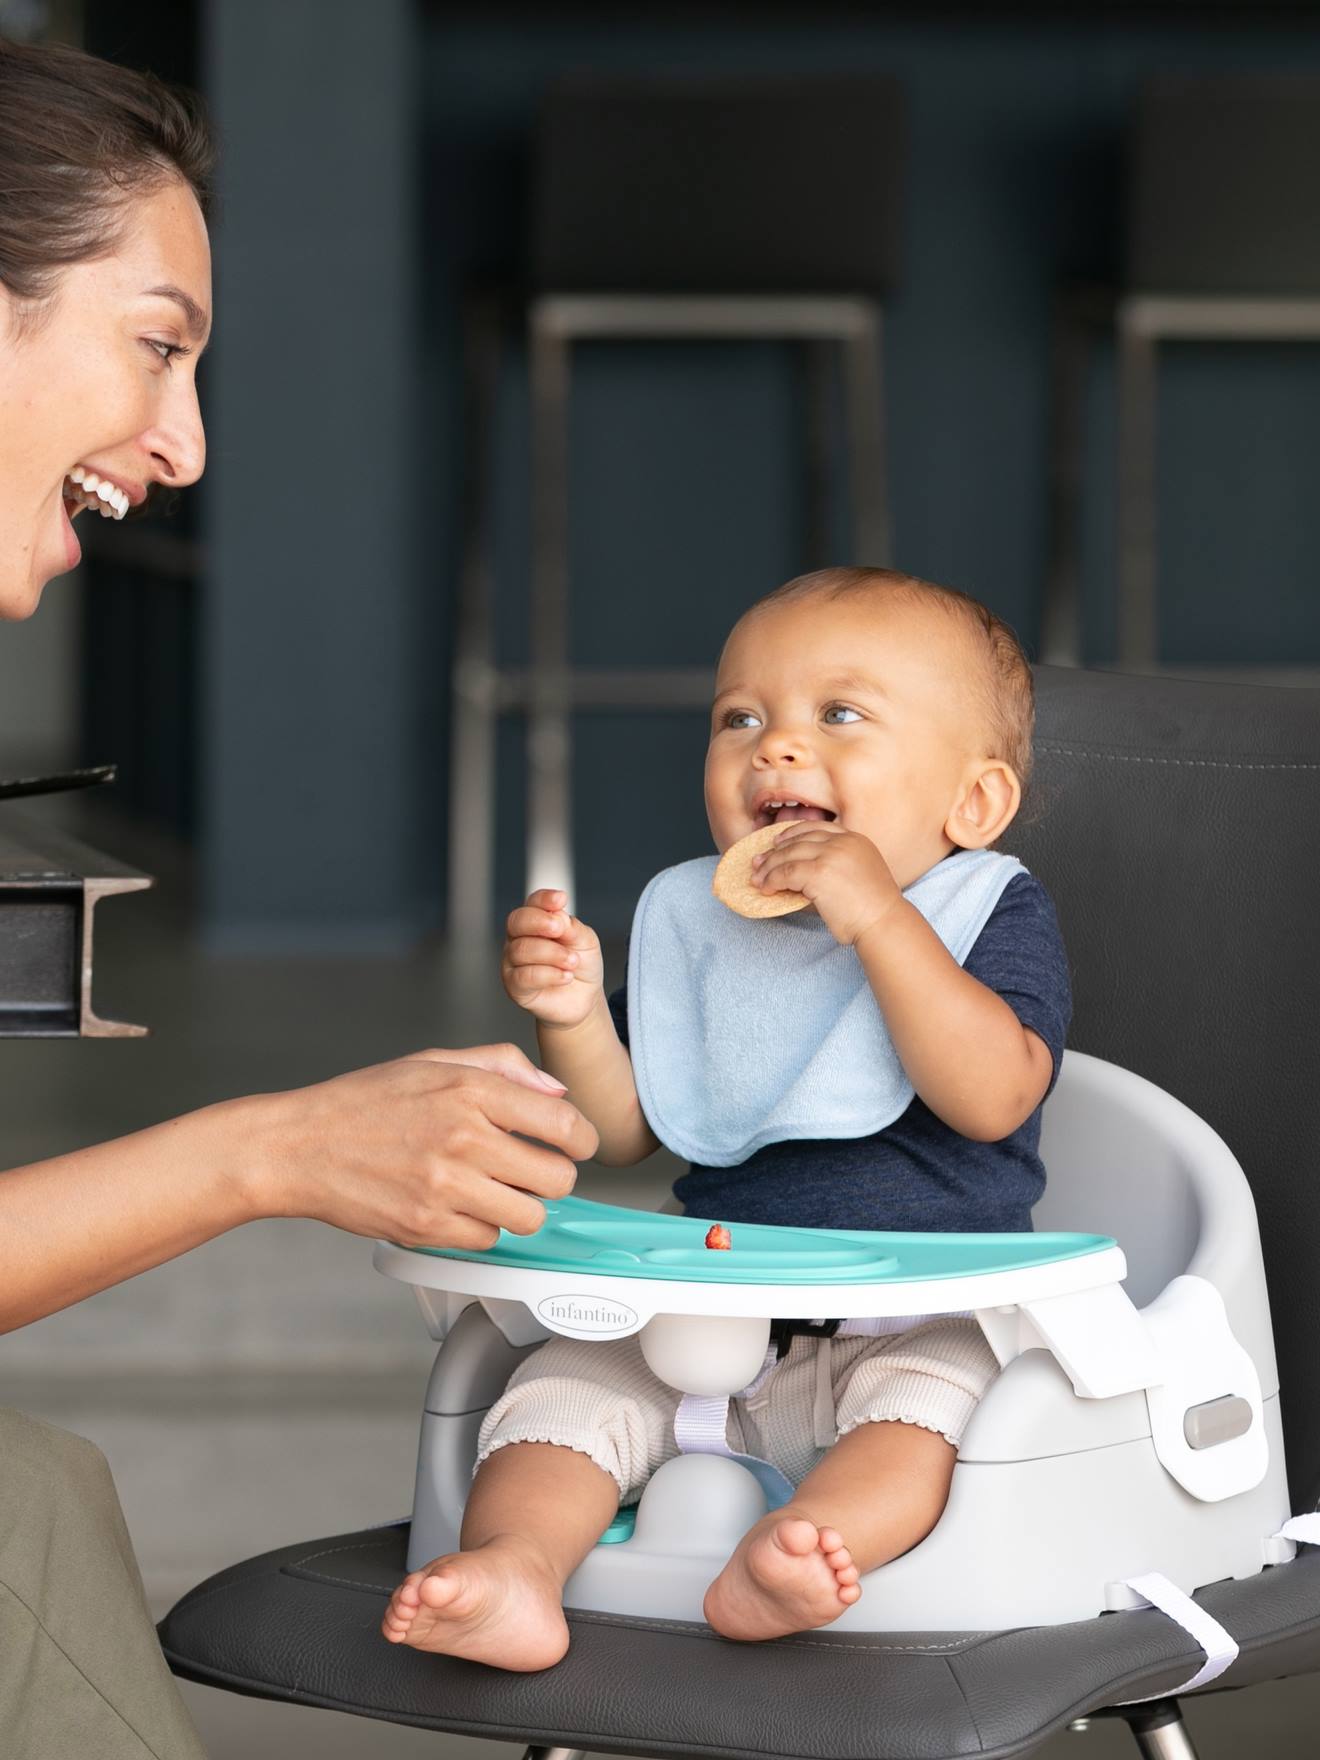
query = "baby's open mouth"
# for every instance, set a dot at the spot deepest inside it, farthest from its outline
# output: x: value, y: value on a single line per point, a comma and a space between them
x: 782, y: 812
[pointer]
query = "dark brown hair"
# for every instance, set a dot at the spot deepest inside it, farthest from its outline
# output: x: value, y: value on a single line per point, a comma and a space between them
x: 1007, y: 689
x: 78, y: 138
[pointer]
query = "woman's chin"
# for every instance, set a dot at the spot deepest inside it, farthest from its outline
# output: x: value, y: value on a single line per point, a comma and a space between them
x: 20, y: 596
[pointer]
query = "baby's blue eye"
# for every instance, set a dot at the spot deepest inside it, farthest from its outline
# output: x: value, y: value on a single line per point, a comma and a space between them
x: 840, y: 709
x: 739, y: 718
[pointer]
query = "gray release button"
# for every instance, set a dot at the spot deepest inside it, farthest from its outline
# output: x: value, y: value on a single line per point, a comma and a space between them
x: 1218, y: 1420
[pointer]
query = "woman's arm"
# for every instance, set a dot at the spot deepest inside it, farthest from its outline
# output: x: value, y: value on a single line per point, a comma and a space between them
x: 418, y: 1151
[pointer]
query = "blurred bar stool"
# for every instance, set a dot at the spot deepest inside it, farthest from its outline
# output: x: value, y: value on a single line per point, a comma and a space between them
x: 1223, y: 245
x: 671, y: 210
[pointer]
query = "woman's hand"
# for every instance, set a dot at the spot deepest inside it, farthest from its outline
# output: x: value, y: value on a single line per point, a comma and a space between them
x: 841, y: 872
x: 420, y: 1150
x: 552, y: 963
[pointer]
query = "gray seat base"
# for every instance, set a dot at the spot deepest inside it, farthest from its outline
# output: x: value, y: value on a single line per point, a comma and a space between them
x: 302, y: 1624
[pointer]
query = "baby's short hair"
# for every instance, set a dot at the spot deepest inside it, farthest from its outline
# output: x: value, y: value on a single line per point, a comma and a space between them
x: 1007, y: 690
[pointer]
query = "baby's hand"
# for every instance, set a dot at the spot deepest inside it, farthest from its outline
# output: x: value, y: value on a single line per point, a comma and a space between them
x: 552, y: 963
x: 841, y: 872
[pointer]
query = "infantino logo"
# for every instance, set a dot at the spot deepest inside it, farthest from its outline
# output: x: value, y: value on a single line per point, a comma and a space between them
x: 586, y: 1314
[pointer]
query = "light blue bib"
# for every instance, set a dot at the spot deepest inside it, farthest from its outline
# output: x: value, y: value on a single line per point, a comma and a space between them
x: 747, y: 1031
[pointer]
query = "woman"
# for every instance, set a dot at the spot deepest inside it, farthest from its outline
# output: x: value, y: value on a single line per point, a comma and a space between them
x: 105, y: 295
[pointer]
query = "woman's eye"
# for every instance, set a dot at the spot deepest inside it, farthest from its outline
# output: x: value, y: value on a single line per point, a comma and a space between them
x: 166, y: 350
x: 840, y: 709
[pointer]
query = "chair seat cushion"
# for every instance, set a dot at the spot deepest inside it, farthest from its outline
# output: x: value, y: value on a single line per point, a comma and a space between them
x: 303, y: 1624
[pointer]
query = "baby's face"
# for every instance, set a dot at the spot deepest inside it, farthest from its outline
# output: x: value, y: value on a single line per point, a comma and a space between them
x: 859, y: 709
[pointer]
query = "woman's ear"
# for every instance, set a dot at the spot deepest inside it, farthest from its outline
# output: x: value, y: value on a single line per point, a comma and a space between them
x: 987, y: 806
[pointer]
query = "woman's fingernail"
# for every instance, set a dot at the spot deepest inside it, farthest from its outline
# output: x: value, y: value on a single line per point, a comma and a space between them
x: 551, y: 1081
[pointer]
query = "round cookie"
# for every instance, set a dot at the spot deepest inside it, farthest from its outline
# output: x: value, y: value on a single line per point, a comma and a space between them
x: 733, y: 886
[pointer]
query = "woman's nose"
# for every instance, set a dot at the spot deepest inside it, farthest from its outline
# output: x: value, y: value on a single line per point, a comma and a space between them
x: 178, y: 444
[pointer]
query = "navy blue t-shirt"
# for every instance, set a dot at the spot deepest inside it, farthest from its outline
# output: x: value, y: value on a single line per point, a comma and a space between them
x: 917, y: 1174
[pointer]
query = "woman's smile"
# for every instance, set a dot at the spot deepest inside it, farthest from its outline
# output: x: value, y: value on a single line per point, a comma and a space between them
x: 99, y: 398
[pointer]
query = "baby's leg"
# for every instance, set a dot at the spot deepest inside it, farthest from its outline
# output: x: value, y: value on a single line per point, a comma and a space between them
x: 578, y: 1426
x: 882, y: 1485
x: 534, y: 1513
x: 902, y: 1403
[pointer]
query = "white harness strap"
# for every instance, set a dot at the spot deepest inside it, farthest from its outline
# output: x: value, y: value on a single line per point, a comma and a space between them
x: 1220, y: 1647
x: 701, y: 1427
x: 701, y: 1421
x: 878, y: 1328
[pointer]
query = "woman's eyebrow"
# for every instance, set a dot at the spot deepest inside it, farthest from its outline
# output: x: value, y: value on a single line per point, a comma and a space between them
x: 196, y: 317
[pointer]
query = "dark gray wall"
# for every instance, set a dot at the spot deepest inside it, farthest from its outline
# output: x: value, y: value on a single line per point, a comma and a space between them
x: 312, y: 754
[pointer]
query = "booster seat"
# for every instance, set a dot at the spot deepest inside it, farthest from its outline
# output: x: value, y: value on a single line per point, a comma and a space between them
x: 1176, y: 830
x: 1139, y: 1418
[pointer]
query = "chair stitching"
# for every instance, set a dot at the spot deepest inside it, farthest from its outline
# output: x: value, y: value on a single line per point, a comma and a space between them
x: 330, y: 1551
x: 1186, y: 763
x: 967, y: 1704
x: 585, y: 1617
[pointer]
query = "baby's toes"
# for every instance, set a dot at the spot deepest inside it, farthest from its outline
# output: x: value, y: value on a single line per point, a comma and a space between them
x: 397, y: 1620
x: 797, y: 1536
x: 408, y: 1593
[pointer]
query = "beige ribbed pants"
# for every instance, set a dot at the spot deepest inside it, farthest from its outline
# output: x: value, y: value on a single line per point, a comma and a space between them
x: 81, y: 1673
x: 602, y: 1399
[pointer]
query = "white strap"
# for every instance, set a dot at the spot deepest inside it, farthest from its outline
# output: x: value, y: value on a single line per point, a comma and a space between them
x: 1304, y: 1528
x: 881, y: 1325
x: 1220, y: 1647
x: 700, y: 1427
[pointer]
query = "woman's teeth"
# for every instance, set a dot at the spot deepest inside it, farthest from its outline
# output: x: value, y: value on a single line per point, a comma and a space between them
x: 83, y: 488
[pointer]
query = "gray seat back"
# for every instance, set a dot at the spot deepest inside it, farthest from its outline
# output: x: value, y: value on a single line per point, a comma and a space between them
x: 1177, y: 826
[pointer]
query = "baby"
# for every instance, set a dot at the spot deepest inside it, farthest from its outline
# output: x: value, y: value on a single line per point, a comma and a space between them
x: 887, y: 722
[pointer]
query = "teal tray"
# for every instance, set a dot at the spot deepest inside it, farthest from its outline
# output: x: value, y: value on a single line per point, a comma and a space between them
x: 603, y: 1239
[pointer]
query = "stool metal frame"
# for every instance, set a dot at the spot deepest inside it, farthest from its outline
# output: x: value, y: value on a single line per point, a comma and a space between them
x: 550, y: 689
x: 1142, y: 321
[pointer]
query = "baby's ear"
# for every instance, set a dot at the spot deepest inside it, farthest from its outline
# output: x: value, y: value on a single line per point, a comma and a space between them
x: 987, y: 806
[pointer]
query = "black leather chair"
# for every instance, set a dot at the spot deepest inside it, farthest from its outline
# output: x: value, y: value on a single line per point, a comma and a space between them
x: 1176, y: 824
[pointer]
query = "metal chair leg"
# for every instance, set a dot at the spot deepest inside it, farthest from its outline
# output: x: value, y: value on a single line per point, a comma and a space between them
x: 1159, y: 1730
x: 1060, y: 635
x: 864, y: 403
x: 818, y: 373
x: 475, y: 693
x: 1138, y: 634
x: 549, y: 737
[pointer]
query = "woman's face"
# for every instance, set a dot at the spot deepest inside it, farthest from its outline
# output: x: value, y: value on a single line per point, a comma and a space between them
x: 102, y: 383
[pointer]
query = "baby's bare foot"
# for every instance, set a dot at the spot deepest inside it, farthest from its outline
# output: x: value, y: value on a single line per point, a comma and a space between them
x: 787, y: 1575
x: 499, y: 1604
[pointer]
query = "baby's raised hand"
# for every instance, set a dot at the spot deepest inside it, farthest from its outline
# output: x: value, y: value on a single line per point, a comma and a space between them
x: 552, y: 963
x: 840, y: 871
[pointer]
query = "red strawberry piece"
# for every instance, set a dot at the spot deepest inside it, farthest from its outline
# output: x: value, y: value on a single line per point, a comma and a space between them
x: 718, y: 1237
